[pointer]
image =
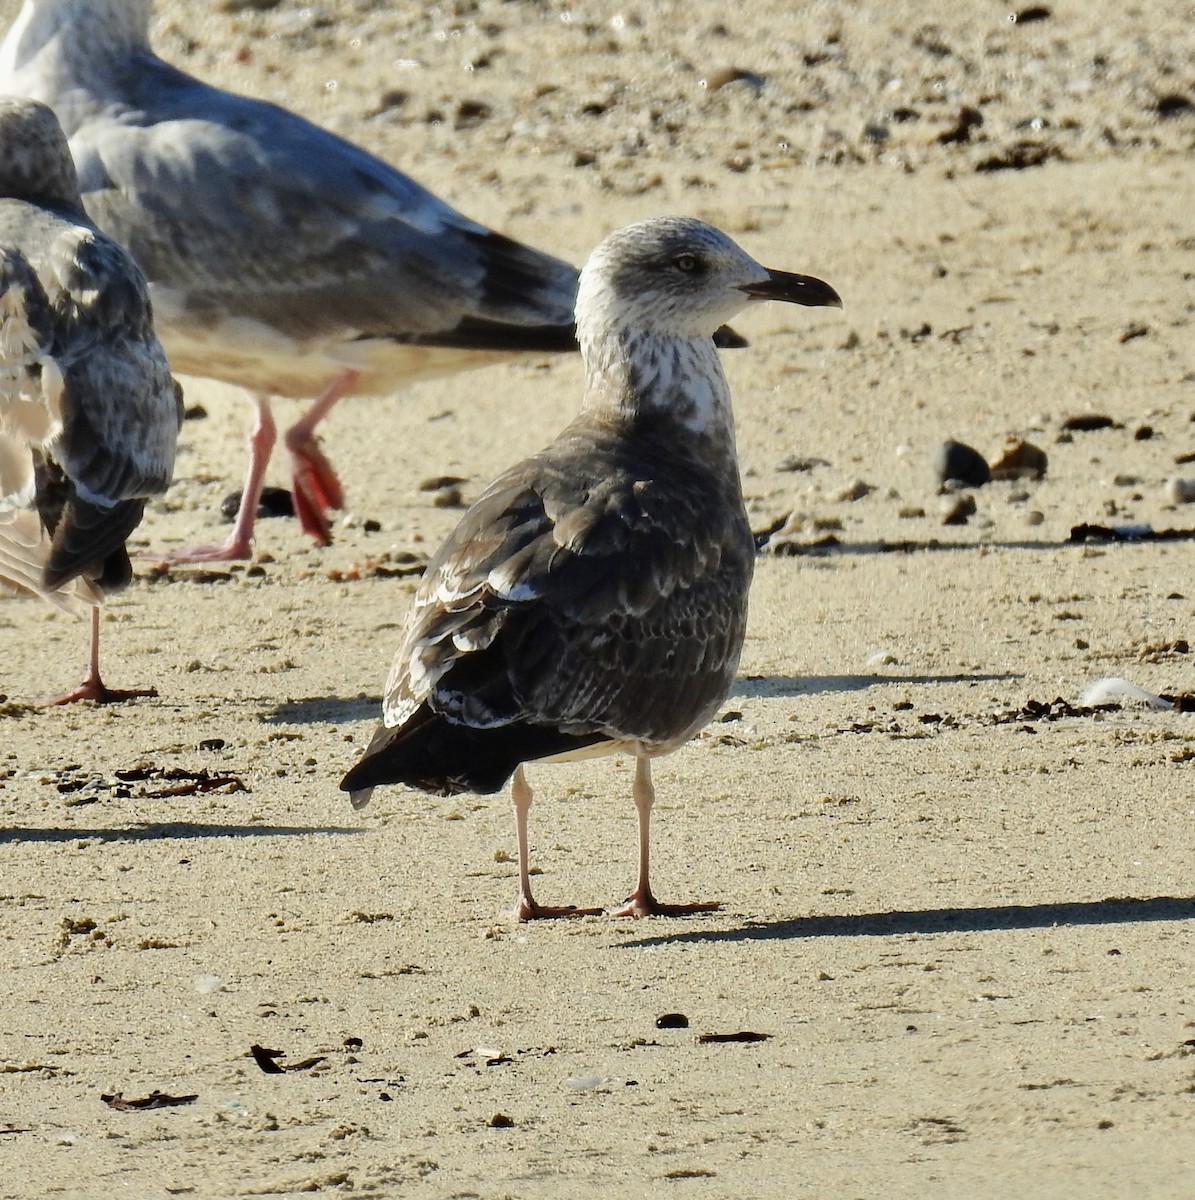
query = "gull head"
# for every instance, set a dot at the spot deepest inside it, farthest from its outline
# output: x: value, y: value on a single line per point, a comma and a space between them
x: 35, y: 160
x: 679, y: 277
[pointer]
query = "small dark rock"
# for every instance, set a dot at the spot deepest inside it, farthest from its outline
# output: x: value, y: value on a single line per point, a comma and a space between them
x: 216, y: 743
x: 673, y: 1020
x: 958, y: 509
x: 436, y: 483
x: 800, y: 462
x: 501, y: 1121
x: 1173, y: 104
x: 1143, y: 433
x: 1020, y: 155
x: 968, y: 119
x: 274, y: 502
x: 390, y: 99
x: 194, y: 412
x: 470, y: 113
x: 1087, y: 422
x: 1035, y: 12
x: 958, y: 461
x: 449, y: 497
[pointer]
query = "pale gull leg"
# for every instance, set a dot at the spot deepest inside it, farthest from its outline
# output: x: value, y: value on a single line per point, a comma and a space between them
x: 315, y: 485
x: 93, y: 687
x: 641, y: 903
x: 526, y: 909
x: 239, y: 545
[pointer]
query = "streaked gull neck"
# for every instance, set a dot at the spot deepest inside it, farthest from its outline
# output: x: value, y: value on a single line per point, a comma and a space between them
x: 631, y: 373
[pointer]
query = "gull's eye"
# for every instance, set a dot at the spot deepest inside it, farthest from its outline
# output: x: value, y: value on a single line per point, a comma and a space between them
x: 685, y: 262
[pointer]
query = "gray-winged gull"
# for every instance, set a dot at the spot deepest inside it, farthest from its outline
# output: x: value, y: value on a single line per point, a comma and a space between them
x: 593, y: 600
x: 281, y: 258
x: 89, y: 414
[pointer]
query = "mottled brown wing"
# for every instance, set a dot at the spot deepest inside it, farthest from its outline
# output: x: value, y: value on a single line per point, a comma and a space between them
x: 600, y: 586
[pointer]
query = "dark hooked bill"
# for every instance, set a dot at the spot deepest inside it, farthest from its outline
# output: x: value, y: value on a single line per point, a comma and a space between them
x: 794, y: 289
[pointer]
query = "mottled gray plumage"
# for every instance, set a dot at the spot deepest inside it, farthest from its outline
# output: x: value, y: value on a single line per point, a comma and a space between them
x: 281, y: 257
x: 594, y: 598
x: 89, y: 413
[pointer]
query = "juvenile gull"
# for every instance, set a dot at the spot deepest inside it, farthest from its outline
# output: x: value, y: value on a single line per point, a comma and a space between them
x: 281, y: 258
x: 593, y: 600
x: 89, y: 415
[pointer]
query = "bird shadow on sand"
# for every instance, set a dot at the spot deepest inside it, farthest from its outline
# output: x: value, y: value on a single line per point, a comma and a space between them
x: 1116, y: 910
x: 1103, y: 536
x: 325, y: 710
x: 167, y: 831
x: 751, y: 687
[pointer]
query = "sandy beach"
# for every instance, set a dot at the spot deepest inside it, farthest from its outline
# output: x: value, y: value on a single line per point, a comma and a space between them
x: 958, y: 901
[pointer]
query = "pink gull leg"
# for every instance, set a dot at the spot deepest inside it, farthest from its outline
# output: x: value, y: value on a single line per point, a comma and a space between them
x: 93, y: 687
x: 641, y: 903
x: 240, y: 541
x: 525, y: 908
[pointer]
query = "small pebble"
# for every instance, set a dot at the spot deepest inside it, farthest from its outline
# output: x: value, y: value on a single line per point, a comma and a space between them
x: 1019, y: 460
x: 673, y: 1020
x: 501, y: 1121
x: 449, y: 497
x: 1033, y: 517
x: 1087, y: 422
x: 584, y: 1083
x: 437, y: 483
x: 274, y: 502
x: 957, y: 509
x: 958, y: 461
x: 722, y: 77
x: 855, y: 490
x: 1180, y: 491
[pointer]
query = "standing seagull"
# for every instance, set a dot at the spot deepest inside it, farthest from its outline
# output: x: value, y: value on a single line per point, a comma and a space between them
x: 89, y: 415
x: 593, y: 600
x: 281, y: 258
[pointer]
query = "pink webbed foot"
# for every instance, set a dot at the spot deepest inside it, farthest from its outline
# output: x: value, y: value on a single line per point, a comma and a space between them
x: 99, y: 693
x: 526, y: 909
x: 316, y: 489
x: 641, y: 903
x: 235, y: 549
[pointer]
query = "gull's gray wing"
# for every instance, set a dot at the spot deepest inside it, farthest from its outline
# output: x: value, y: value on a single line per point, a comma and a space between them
x: 253, y: 211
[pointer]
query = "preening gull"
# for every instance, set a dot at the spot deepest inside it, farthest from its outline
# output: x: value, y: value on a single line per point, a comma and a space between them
x: 89, y: 414
x: 281, y: 258
x: 593, y: 600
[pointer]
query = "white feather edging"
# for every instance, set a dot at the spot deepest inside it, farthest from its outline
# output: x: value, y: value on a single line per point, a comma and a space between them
x: 1115, y: 688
